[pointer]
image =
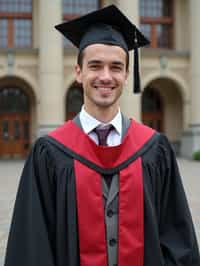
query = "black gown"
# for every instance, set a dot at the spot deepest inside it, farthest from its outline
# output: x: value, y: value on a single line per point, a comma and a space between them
x: 44, y: 229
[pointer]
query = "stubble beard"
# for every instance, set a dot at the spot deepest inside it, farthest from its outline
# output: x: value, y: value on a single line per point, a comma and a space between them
x: 102, y: 104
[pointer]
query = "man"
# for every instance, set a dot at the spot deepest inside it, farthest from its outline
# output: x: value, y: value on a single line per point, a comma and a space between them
x: 102, y: 189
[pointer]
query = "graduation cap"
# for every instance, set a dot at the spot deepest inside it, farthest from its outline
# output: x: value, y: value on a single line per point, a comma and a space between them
x: 106, y: 26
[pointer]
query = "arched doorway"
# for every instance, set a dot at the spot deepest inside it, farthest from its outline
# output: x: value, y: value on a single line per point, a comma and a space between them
x: 14, y: 122
x: 163, y: 107
x: 152, y: 109
x: 74, y: 100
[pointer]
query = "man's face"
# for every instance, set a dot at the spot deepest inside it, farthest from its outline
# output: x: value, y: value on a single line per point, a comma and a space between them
x: 103, y: 75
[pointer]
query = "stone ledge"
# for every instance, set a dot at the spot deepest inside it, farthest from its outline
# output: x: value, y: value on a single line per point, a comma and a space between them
x: 19, y: 51
x: 164, y: 52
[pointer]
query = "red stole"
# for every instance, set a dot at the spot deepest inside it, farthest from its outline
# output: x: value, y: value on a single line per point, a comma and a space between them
x: 90, y: 205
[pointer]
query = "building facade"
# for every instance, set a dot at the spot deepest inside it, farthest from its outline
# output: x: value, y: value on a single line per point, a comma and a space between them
x: 38, y: 91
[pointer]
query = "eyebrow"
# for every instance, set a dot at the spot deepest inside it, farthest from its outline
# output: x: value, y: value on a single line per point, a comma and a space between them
x: 118, y: 63
x: 94, y: 62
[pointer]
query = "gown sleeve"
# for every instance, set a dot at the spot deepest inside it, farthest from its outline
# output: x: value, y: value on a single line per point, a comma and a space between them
x: 31, y: 236
x: 177, y: 236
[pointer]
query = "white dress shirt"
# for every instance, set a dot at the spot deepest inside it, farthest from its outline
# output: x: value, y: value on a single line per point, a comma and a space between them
x: 89, y: 123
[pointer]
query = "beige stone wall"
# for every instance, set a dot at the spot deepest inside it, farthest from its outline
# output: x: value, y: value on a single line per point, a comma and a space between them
x: 182, y: 25
x: 173, y: 67
x: 130, y: 103
x: 51, y: 107
x: 195, y: 61
x: 36, y: 24
x: 42, y: 69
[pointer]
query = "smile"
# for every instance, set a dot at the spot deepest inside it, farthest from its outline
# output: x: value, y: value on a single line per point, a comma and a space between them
x: 104, y: 88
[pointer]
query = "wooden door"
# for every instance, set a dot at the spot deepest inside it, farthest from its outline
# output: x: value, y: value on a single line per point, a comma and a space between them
x: 153, y: 120
x: 14, y: 135
x: 152, y: 109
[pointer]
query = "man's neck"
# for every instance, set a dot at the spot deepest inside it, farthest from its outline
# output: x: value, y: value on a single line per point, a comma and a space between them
x: 102, y: 115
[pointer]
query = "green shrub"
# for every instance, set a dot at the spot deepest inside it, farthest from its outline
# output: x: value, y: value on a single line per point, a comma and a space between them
x: 196, y: 155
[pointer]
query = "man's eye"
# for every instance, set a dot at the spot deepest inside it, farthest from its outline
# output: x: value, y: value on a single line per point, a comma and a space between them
x: 117, y: 68
x: 94, y: 66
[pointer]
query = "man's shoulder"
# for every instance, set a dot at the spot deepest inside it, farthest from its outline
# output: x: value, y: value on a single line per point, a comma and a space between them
x: 157, y: 142
x: 140, y: 131
x: 50, y: 142
x: 61, y: 129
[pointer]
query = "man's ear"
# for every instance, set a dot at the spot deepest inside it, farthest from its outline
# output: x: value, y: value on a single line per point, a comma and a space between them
x: 78, y: 73
x: 126, y: 77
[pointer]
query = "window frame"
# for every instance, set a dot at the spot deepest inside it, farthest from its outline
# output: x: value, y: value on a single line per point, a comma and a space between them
x: 11, y: 17
x: 153, y: 22
x: 72, y: 16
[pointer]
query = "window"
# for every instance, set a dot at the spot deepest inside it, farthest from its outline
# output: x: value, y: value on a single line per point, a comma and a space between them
x: 157, y: 22
x: 16, y: 129
x: 5, y: 130
x: 75, y: 8
x: 3, y: 32
x: 26, y: 129
x: 15, y: 23
x: 13, y: 100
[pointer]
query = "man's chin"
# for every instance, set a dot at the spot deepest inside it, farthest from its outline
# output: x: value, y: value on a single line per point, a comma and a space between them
x: 105, y: 104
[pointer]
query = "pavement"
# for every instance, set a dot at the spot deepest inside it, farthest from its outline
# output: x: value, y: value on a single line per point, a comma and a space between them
x: 9, y: 178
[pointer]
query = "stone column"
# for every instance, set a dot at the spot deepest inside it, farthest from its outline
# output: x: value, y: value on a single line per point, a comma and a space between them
x: 130, y: 103
x: 191, y: 137
x: 51, y: 102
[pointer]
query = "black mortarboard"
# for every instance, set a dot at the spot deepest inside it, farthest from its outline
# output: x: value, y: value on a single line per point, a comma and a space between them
x: 107, y: 26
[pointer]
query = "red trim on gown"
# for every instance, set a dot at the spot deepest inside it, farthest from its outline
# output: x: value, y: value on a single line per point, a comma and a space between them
x: 71, y: 136
x: 90, y: 205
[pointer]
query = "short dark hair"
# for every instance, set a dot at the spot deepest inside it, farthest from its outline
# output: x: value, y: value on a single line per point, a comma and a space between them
x: 81, y: 56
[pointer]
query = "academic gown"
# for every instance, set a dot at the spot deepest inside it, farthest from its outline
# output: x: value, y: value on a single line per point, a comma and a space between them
x: 53, y: 226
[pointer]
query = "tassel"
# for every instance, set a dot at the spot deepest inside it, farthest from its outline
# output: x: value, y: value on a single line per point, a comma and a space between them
x: 136, y: 67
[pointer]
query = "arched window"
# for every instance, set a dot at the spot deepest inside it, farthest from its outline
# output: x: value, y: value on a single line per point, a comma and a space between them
x: 157, y: 22
x: 15, y: 23
x: 13, y: 100
x: 75, y: 8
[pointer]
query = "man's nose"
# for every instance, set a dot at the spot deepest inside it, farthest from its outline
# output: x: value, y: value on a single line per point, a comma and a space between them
x: 105, y: 74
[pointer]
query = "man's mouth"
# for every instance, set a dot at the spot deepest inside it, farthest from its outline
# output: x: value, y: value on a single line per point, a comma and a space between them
x: 104, y: 89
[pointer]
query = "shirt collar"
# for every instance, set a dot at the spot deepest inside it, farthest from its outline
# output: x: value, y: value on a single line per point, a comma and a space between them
x: 89, y: 123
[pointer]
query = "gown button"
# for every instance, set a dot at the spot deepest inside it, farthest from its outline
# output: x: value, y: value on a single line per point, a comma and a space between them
x: 110, y: 213
x: 112, y: 242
